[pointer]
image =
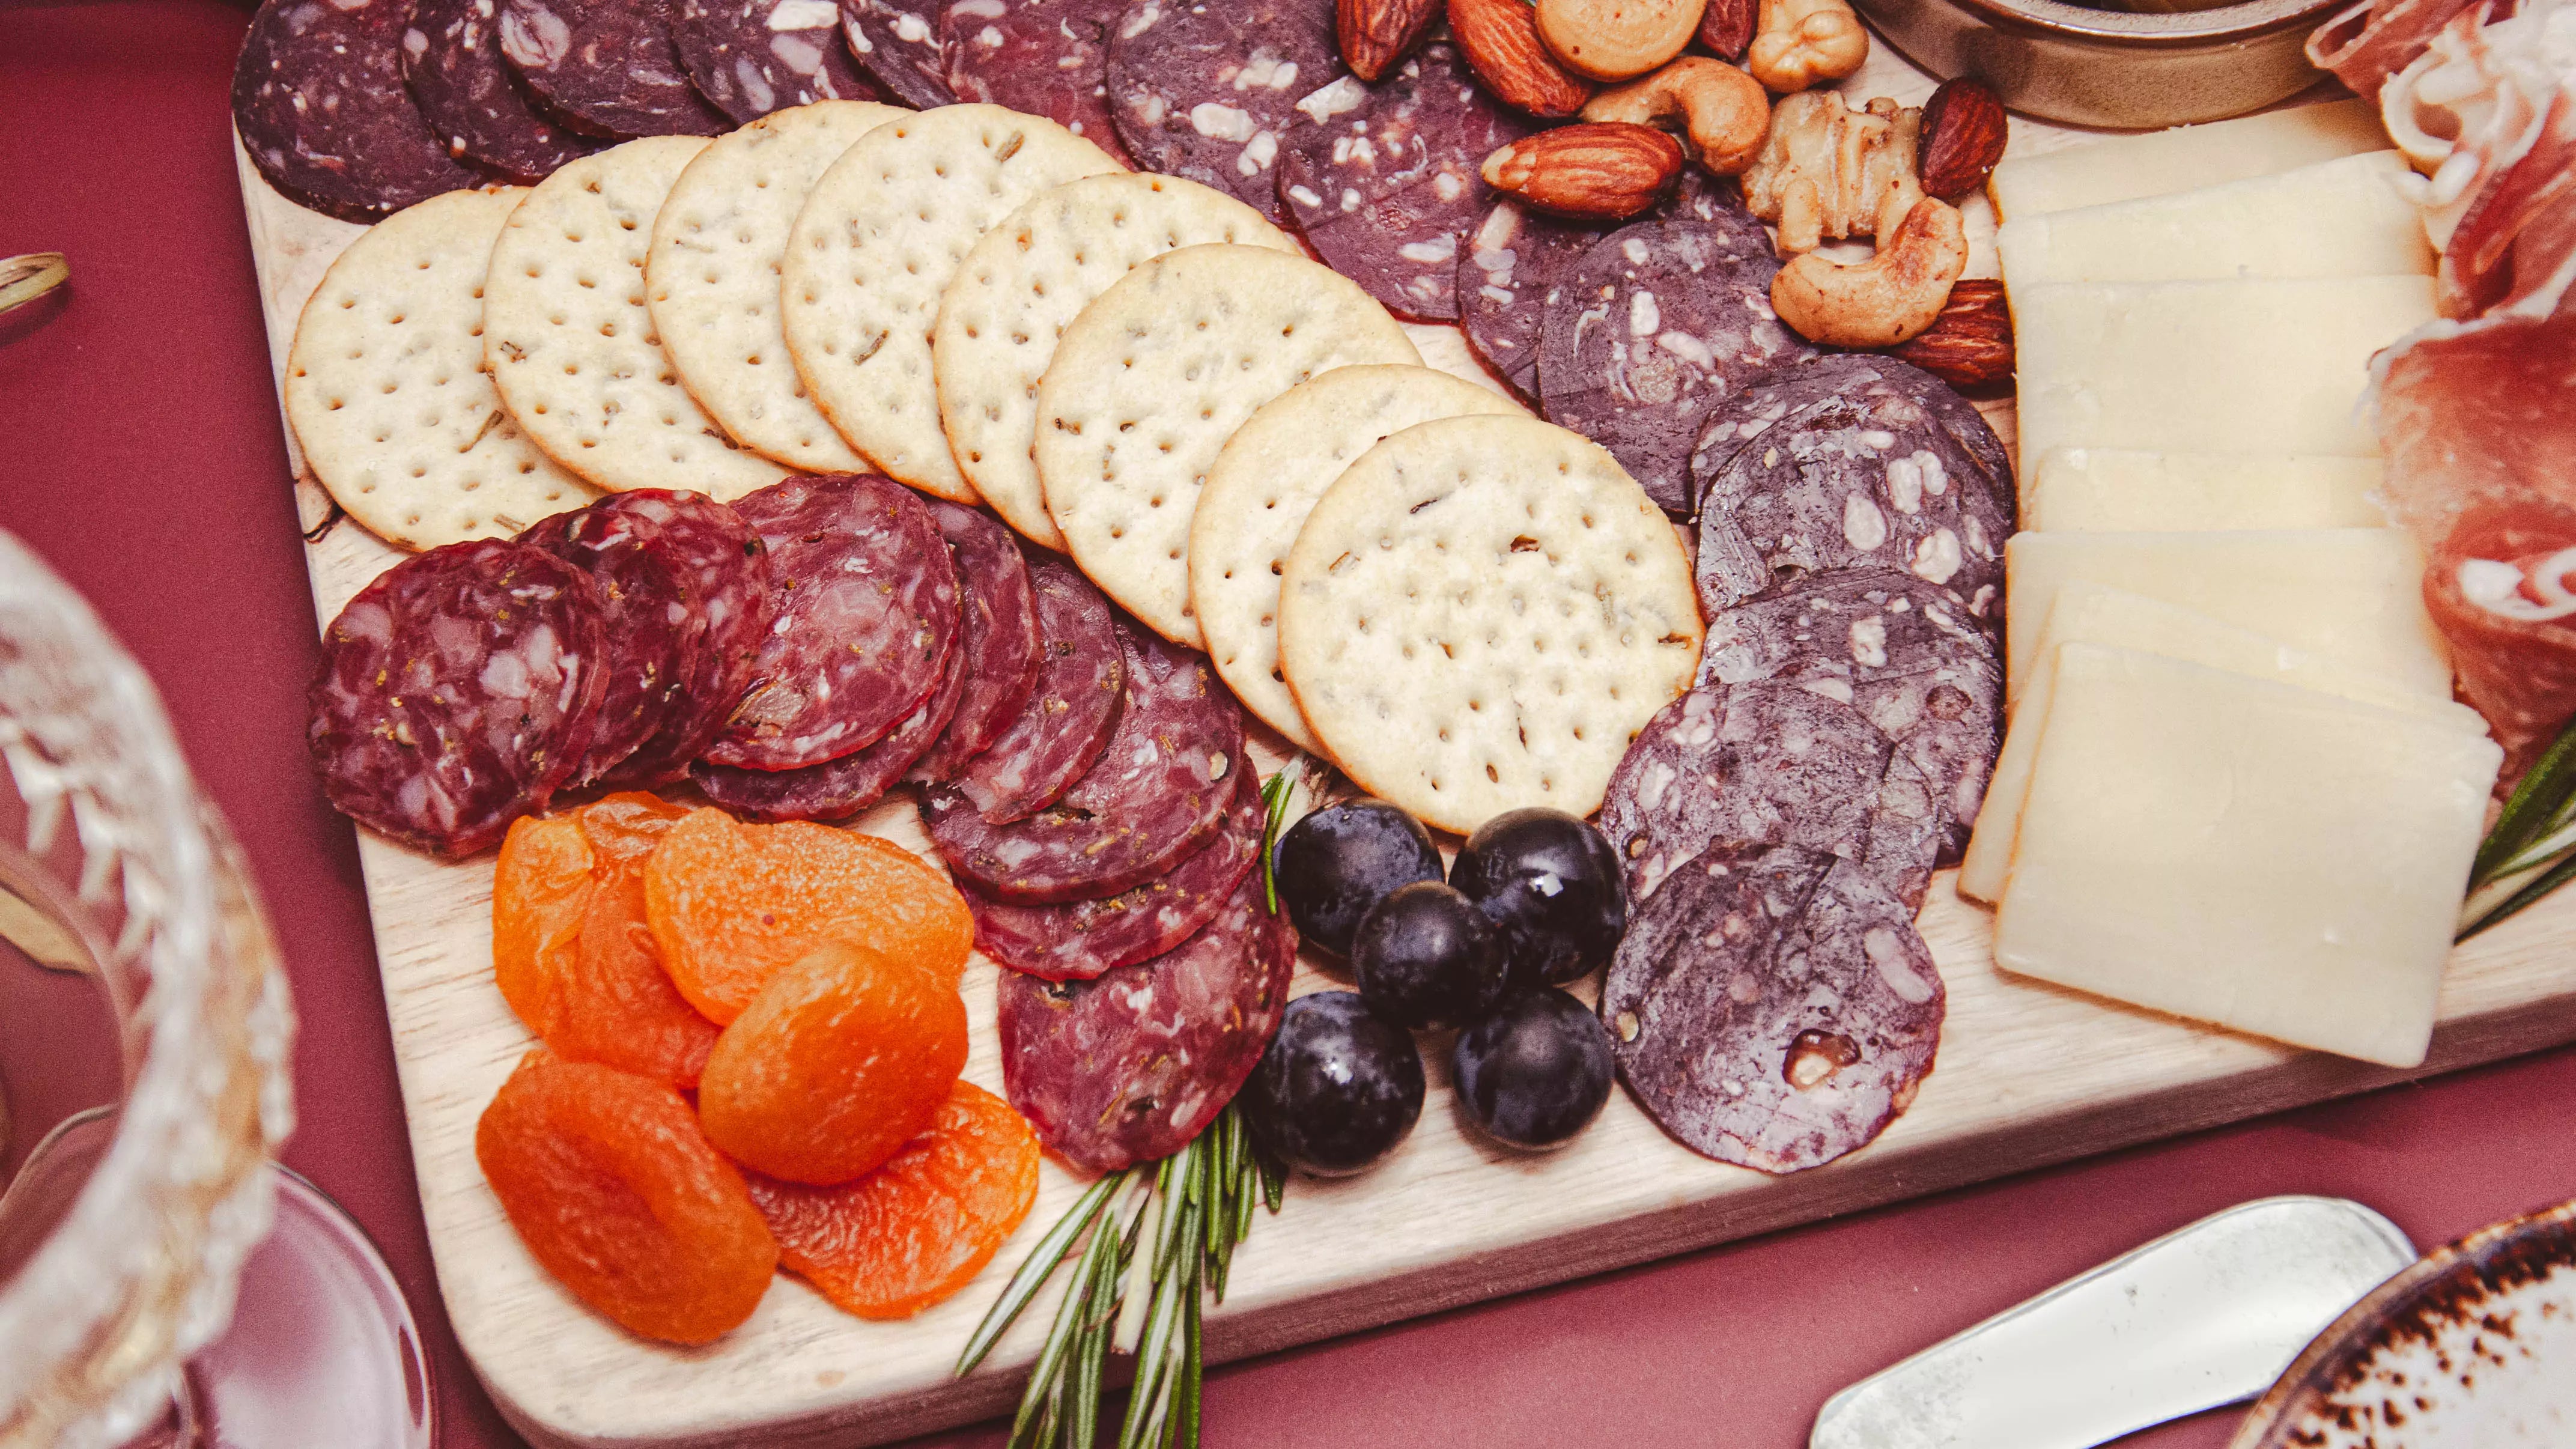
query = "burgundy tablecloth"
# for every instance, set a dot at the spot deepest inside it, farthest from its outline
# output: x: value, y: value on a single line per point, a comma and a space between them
x: 140, y: 453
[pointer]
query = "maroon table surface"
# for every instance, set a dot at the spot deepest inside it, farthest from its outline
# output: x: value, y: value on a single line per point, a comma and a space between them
x: 141, y: 455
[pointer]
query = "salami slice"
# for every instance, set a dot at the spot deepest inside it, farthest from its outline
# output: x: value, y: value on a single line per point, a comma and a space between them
x: 866, y: 615
x: 1042, y: 57
x: 1071, y: 710
x: 836, y: 789
x: 1387, y: 189
x: 473, y: 100
x: 1082, y: 939
x: 1773, y: 1007
x: 1657, y: 323
x: 752, y: 57
x: 319, y: 101
x: 457, y: 692
x: 1127, y: 1068
x: 900, y: 46
x: 645, y: 605
x: 1159, y: 791
x: 998, y: 637
x: 607, y: 66
x: 722, y: 611
x: 1209, y: 91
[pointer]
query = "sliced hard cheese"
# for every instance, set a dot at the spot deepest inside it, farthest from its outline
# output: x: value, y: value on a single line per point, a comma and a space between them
x: 2206, y: 367
x: 2339, y: 218
x: 2087, y: 613
x: 2159, y: 162
x: 2350, y: 594
x: 2109, y: 490
x: 2233, y: 850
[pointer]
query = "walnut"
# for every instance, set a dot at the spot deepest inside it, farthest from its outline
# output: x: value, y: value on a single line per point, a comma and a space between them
x: 1829, y: 172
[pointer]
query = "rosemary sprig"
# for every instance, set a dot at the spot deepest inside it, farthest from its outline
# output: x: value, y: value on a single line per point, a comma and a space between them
x: 1275, y: 792
x: 25, y: 278
x: 2532, y: 849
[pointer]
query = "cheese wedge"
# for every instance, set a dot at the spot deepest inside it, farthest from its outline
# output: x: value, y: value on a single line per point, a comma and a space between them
x: 2237, y: 851
x: 2339, y: 218
x: 2120, y: 168
x: 2109, y: 490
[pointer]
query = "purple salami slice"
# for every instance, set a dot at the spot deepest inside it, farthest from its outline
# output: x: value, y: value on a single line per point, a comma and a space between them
x: 473, y: 100
x: 457, y: 692
x: 1773, y: 1007
x: 1043, y: 57
x: 319, y: 100
x: 836, y: 789
x: 1082, y: 939
x: 752, y: 57
x: 721, y: 613
x: 607, y: 66
x: 1386, y: 188
x: 645, y: 605
x: 1129, y: 1067
x: 1071, y: 710
x: 1158, y: 792
x: 898, y: 43
x: 999, y: 639
x: 1209, y: 91
x: 866, y: 615
x: 1657, y: 323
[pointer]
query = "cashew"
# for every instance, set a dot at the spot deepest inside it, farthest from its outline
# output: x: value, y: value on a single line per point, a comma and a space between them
x: 1802, y: 42
x: 1825, y: 171
x: 1723, y: 112
x: 1893, y: 297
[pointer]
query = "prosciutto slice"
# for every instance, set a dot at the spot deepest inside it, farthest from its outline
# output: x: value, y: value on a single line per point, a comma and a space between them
x: 2376, y: 39
x: 2500, y: 592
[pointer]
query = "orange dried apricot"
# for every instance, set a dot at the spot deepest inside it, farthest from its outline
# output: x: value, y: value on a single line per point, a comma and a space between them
x: 611, y: 1184
x: 731, y: 903
x: 843, y: 1058
x: 916, y: 1230
x: 539, y: 891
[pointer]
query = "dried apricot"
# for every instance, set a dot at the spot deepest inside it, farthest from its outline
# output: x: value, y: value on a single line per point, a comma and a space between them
x: 612, y: 1186
x: 843, y: 1058
x: 916, y: 1230
x: 732, y: 903
x: 539, y: 891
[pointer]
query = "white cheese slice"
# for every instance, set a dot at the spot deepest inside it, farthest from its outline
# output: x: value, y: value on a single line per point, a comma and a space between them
x: 2351, y: 594
x: 2206, y: 367
x: 2339, y: 218
x: 2120, y: 168
x: 2271, y: 859
x: 2110, y: 490
x: 2086, y: 613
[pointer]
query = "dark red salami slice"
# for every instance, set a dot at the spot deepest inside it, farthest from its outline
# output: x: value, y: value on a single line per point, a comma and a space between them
x: 607, y: 66
x: 1210, y: 91
x: 644, y: 603
x: 1388, y: 189
x: 1158, y: 792
x: 319, y: 100
x: 752, y: 57
x: 457, y: 692
x: 471, y: 97
x: 1071, y: 709
x: 999, y: 639
x: 836, y: 789
x: 1129, y: 1067
x: 1044, y: 57
x: 721, y: 612
x: 1080, y: 940
x: 898, y: 43
x: 866, y: 615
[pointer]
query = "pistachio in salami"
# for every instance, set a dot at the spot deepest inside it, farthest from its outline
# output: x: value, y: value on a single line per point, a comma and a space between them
x: 320, y: 104
x: 473, y: 100
x: 607, y: 66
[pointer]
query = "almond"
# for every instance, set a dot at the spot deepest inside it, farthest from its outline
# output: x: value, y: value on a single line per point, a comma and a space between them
x: 1963, y: 137
x: 1970, y: 343
x: 1500, y: 38
x: 1596, y: 171
x: 1375, y: 34
x: 1726, y: 27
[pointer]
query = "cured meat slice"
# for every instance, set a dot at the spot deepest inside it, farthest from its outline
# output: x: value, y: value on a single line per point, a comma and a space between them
x: 998, y: 638
x: 607, y: 66
x: 1158, y: 792
x: 900, y: 46
x: 1082, y: 939
x: 752, y: 57
x: 1127, y: 1068
x: 457, y: 692
x: 319, y: 101
x: 473, y: 100
x: 1773, y: 1007
x: 723, y: 608
x: 1209, y: 91
x: 836, y: 789
x: 866, y: 615
x: 1657, y: 323
x: 1387, y: 187
x: 2376, y: 39
x: 645, y: 603
x: 1040, y: 57
x: 1071, y: 710
x: 2498, y: 589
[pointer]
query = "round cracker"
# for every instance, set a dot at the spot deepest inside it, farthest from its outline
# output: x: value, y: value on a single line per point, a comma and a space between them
x: 1480, y: 614
x: 1258, y: 495
x: 874, y: 247
x: 1024, y: 283
x: 711, y: 278
x: 386, y: 391
x: 1152, y: 378
x: 571, y: 345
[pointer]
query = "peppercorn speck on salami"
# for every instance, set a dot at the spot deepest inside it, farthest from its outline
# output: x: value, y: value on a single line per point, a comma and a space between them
x: 320, y: 104
x: 1209, y: 92
x: 473, y: 100
x: 607, y: 66
x: 1041, y: 57
x: 752, y: 57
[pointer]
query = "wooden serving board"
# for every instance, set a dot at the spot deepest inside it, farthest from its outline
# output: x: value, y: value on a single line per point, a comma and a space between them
x: 2028, y: 1075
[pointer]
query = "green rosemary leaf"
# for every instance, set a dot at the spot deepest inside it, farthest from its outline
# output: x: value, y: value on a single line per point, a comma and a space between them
x: 1040, y: 1265
x: 1062, y: 1335
x: 1091, y: 1352
x: 1154, y: 1353
x: 1275, y: 792
x: 1185, y: 1430
x: 25, y: 278
x: 2537, y: 806
x: 2514, y: 904
x: 1274, y: 1180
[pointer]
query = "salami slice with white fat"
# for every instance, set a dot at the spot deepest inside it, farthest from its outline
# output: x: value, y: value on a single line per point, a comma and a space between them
x: 319, y: 102
x: 836, y: 789
x: 1072, y: 707
x: 457, y: 692
x: 1040, y: 57
x: 607, y: 66
x: 720, y: 610
x: 752, y: 57
x: 898, y: 42
x: 998, y: 639
x: 1129, y: 1067
x: 473, y: 100
x: 1209, y: 92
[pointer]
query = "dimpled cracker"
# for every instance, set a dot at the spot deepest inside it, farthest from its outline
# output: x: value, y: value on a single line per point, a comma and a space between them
x: 1480, y: 614
x: 386, y: 391
x: 1024, y: 283
x: 1150, y: 381
x: 711, y: 279
x: 1258, y: 495
x: 874, y: 247
x: 568, y: 340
